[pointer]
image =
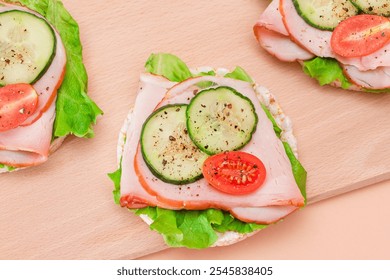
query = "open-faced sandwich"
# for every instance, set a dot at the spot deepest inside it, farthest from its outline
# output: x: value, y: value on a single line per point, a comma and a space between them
x: 206, y: 156
x: 345, y: 43
x: 43, y: 82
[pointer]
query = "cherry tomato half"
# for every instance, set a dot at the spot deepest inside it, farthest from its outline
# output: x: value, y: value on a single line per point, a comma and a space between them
x: 234, y: 172
x: 17, y: 103
x: 360, y: 35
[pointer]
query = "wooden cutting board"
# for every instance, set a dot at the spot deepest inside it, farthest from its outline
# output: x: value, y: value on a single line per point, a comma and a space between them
x: 64, y: 208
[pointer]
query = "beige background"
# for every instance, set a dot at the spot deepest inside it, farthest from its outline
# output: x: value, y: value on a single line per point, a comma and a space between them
x: 64, y: 208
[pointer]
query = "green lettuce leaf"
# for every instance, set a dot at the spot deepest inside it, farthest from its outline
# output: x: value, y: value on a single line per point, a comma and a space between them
x: 205, y: 84
x: 326, y: 71
x: 239, y: 74
x: 299, y: 172
x: 75, y: 112
x: 194, y: 229
x: 169, y: 66
x: 209, y: 73
x: 277, y: 129
x: 198, y: 229
x: 9, y: 168
x: 116, y: 178
x: 385, y: 90
x: 185, y: 228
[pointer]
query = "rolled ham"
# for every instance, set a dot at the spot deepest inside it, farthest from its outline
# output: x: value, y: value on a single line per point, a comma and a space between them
x: 29, y: 144
x: 371, y: 79
x: 272, y: 20
x: 262, y: 215
x: 280, y: 46
x: 312, y: 39
x: 151, y: 90
x: 283, y: 33
x: 278, y: 197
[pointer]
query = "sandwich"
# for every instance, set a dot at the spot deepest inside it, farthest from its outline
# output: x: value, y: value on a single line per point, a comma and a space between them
x: 43, y: 82
x: 344, y: 43
x: 206, y: 156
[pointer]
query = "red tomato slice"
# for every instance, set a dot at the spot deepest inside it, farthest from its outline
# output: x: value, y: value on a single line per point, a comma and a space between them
x: 360, y: 35
x: 17, y: 103
x: 234, y: 172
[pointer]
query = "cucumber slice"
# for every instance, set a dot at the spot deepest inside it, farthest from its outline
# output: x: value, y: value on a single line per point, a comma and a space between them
x: 167, y: 149
x: 27, y: 47
x: 220, y: 119
x: 325, y: 15
x: 375, y: 7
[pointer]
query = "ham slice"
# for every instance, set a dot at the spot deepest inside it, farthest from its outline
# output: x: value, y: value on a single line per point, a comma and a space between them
x: 262, y: 215
x: 47, y: 86
x: 279, y: 197
x: 380, y: 58
x: 371, y: 79
x: 314, y: 40
x: 274, y: 38
x: 28, y: 145
x: 272, y: 19
x: 280, y: 46
x: 151, y: 90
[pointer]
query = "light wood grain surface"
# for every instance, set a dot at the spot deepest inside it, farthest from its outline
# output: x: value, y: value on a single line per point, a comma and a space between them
x: 64, y: 208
